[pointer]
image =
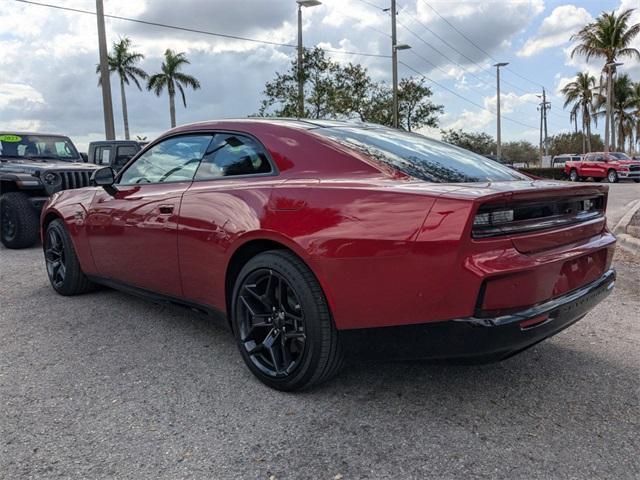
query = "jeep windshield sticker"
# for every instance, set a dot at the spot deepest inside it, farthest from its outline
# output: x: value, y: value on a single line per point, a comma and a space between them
x: 10, y: 138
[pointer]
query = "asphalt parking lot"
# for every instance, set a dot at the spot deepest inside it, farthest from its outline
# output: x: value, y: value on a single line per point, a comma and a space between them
x: 106, y: 385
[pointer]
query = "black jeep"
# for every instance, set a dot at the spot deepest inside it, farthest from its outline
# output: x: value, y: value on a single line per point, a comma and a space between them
x: 32, y: 168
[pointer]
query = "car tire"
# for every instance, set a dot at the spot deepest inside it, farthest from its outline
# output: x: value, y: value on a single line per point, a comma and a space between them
x: 573, y: 175
x: 637, y: 180
x: 612, y: 176
x: 282, y: 323
x: 63, y: 268
x: 19, y: 219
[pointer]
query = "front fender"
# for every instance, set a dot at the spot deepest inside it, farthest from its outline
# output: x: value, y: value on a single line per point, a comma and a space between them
x: 72, y: 207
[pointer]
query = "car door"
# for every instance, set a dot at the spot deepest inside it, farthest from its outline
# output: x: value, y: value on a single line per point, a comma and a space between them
x: 587, y: 165
x: 228, y: 197
x: 598, y: 166
x: 132, y: 226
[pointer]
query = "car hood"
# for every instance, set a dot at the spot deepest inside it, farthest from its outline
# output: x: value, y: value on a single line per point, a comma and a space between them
x: 33, y: 166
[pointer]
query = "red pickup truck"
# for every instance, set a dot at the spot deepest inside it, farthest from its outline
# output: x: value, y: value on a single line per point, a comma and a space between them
x: 613, y: 166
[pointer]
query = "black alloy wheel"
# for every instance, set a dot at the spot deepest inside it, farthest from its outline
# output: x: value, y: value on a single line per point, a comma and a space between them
x: 271, y: 323
x: 54, y: 256
x: 282, y: 323
x: 63, y: 268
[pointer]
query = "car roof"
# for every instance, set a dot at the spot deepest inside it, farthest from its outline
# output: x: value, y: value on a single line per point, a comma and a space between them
x: 300, y: 123
x: 111, y: 142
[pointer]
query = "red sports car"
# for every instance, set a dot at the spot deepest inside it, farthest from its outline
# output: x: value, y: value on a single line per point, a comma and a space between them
x: 322, y: 238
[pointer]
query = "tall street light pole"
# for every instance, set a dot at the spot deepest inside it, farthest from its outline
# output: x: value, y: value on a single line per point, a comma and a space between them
x: 306, y: 4
x: 394, y: 61
x: 608, y: 122
x: 107, y: 106
x: 498, y: 140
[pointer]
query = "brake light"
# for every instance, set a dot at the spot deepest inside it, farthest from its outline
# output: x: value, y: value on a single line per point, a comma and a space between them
x: 520, y: 217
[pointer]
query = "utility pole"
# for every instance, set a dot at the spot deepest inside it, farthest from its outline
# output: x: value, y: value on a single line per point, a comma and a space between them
x: 545, y: 105
x: 306, y: 4
x: 107, y: 106
x: 542, y: 108
x: 394, y: 62
x: 498, y: 133
x: 541, y: 130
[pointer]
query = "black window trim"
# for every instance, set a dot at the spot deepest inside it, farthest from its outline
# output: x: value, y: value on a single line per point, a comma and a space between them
x: 274, y: 168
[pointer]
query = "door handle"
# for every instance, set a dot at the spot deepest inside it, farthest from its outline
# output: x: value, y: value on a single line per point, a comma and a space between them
x: 165, y: 209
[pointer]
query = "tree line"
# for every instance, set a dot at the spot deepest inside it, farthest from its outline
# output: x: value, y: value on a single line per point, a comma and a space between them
x: 520, y: 151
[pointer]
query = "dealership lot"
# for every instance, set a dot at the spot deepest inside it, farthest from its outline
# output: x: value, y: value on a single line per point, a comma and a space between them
x: 109, y: 386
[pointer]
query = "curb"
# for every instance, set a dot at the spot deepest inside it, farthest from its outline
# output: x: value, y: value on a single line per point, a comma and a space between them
x: 629, y: 240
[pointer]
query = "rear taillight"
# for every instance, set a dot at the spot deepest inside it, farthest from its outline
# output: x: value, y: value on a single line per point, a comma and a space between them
x: 520, y: 217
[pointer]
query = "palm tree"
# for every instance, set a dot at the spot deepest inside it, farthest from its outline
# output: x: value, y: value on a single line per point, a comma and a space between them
x: 634, y: 116
x: 171, y: 78
x: 608, y: 37
x: 622, y: 102
x: 123, y: 61
x: 580, y: 94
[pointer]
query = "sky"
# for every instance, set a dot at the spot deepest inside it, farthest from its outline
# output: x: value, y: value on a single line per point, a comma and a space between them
x: 48, y: 81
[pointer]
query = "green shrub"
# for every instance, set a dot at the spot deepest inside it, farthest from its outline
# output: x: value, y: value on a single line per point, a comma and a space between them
x: 553, y: 173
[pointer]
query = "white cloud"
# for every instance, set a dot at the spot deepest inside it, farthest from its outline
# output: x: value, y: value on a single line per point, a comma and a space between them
x: 19, y: 95
x: 556, y: 29
x: 480, y: 119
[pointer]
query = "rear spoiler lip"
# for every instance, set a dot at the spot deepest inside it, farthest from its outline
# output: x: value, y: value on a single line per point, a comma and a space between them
x: 542, y: 194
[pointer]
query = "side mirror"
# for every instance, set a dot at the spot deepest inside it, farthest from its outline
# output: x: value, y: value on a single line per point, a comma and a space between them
x: 103, y: 177
x: 84, y: 157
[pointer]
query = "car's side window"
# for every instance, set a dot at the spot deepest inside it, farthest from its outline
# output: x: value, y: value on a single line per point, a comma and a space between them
x: 599, y: 158
x: 104, y: 155
x: 172, y: 160
x: 231, y: 155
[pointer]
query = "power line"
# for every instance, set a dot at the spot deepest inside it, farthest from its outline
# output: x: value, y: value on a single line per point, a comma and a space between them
x: 415, y: 19
x: 440, y: 53
x: 462, y: 97
x: 461, y: 33
x: 193, y: 30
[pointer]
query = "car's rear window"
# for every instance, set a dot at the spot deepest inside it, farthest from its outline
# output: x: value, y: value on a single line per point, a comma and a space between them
x: 421, y: 157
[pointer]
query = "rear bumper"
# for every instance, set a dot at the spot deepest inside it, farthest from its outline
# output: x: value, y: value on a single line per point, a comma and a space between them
x: 487, y: 339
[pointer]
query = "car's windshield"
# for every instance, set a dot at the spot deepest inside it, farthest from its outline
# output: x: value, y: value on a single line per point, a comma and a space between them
x: 619, y: 155
x: 421, y: 157
x: 37, y: 146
